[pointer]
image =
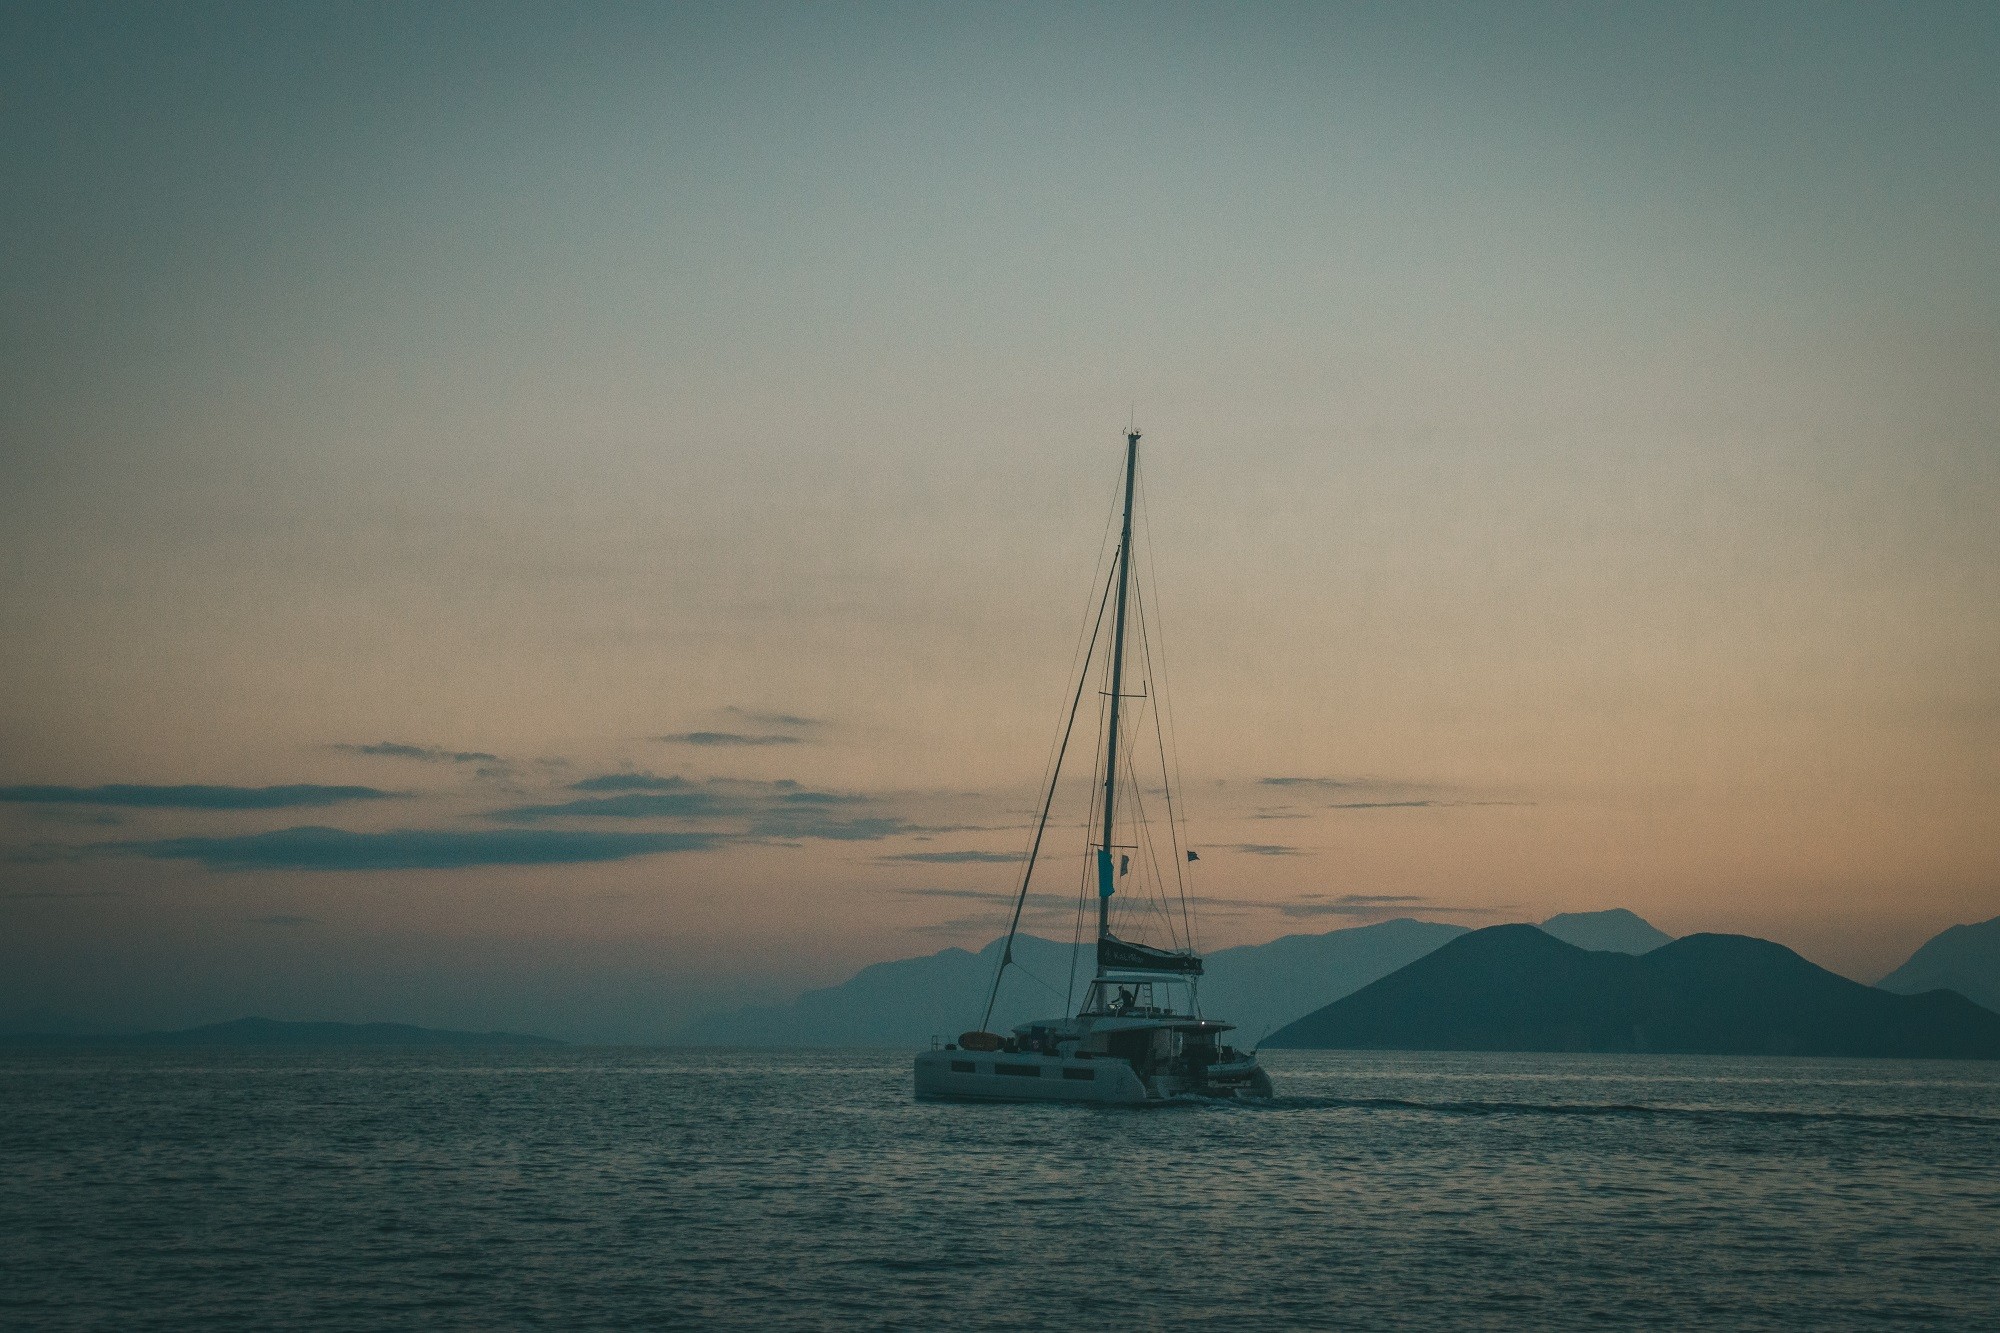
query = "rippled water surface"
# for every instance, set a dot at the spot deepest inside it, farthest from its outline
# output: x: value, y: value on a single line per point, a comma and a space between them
x: 805, y: 1189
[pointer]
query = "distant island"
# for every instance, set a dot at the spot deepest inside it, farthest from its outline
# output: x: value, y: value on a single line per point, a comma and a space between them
x: 1261, y: 987
x: 907, y: 1001
x: 251, y: 1032
x: 1517, y: 988
x: 1603, y: 980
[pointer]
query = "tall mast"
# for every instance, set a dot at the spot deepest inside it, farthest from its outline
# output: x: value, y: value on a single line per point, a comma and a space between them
x: 1105, y: 875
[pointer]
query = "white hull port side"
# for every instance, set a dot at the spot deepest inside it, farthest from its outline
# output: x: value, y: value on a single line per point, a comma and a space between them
x: 969, y: 1076
x: 996, y: 1076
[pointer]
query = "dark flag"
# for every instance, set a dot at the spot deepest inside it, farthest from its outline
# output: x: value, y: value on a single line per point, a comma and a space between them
x: 1192, y: 856
x: 1124, y: 864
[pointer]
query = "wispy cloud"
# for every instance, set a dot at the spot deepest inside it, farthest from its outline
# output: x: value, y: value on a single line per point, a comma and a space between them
x: 1371, y: 899
x: 429, y: 754
x: 821, y: 798
x: 310, y: 848
x: 631, y: 782
x: 1372, y: 794
x: 770, y: 728
x: 955, y: 858
x: 1267, y: 849
x: 1328, y: 784
x: 1418, y: 805
x: 1044, y: 901
x: 1373, y: 905
x: 1067, y: 901
x: 691, y: 804
x: 980, y: 928
x: 779, y: 804
x: 787, y: 825
x: 1050, y: 915
x: 780, y: 811
x: 1047, y: 911
x: 758, y: 718
x: 196, y: 797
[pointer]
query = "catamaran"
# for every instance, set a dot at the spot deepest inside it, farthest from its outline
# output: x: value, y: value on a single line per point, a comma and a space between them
x: 1138, y: 1034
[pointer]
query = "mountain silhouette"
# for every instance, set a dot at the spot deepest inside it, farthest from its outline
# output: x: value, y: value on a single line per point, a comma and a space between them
x: 1964, y: 958
x: 1613, y: 931
x: 1516, y: 988
x: 1257, y: 987
x: 904, y: 1002
x: 1261, y: 987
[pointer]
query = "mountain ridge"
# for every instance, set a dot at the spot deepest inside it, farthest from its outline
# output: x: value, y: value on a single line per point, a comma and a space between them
x: 1258, y: 988
x: 906, y: 1001
x: 1515, y: 987
x: 1613, y: 930
x: 1964, y: 958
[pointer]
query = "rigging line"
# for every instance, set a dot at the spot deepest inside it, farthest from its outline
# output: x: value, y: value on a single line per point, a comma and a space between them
x: 1166, y: 705
x: 1155, y: 902
x: 1143, y: 841
x: 1024, y: 971
x: 1160, y: 897
x: 1079, y: 657
x: 1106, y: 548
x: 1154, y: 687
x: 1165, y: 910
x: 1076, y: 936
x: 1093, y: 814
x: 1089, y: 827
x: 1041, y: 826
x: 1051, y: 765
x: 1158, y: 685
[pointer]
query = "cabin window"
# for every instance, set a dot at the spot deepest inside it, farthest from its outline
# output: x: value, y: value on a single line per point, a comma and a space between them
x: 1081, y: 1075
x: 1019, y: 1071
x: 961, y: 1067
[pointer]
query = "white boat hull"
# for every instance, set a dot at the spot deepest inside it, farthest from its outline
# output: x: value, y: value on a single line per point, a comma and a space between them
x: 981, y: 1076
x: 996, y: 1076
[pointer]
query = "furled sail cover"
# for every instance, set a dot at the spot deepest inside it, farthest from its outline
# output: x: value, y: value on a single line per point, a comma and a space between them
x: 1114, y: 952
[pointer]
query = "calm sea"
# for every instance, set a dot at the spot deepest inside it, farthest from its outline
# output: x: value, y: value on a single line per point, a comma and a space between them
x: 806, y: 1189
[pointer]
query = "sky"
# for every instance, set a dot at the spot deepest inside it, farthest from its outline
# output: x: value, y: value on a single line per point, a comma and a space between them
x: 556, y: 517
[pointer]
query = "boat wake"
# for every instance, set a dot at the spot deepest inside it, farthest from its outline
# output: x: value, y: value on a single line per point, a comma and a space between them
x: 1598, y: 1110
